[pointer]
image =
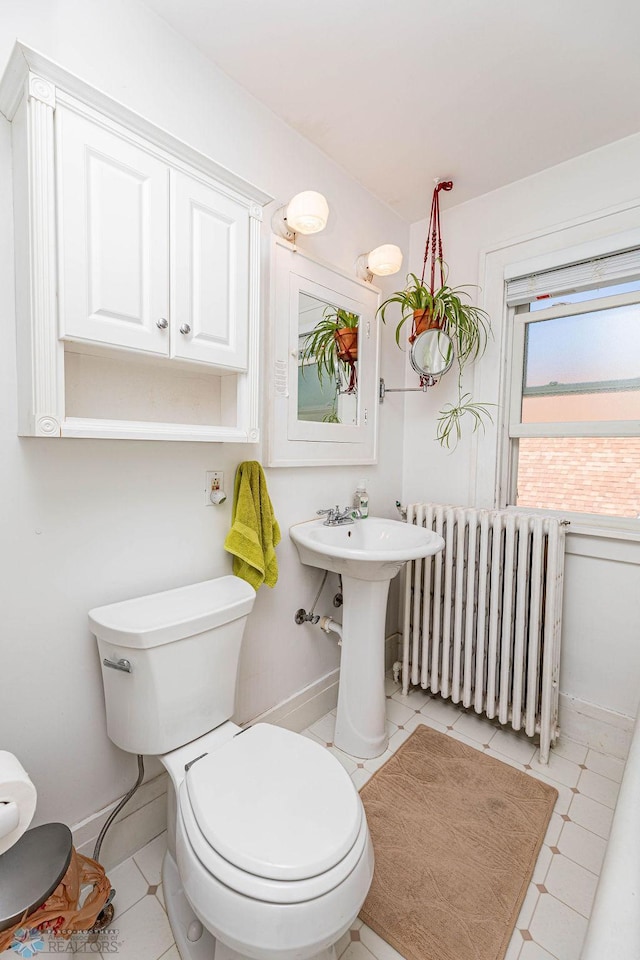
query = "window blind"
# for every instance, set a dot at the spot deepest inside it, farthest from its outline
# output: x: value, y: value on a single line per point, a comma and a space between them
x: 589, y: 274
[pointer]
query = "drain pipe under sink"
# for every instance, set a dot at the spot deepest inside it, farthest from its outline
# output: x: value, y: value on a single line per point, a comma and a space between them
x: 329, y: 625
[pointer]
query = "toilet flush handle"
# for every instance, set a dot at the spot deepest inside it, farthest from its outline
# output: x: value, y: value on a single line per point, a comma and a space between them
x: 123, y: 665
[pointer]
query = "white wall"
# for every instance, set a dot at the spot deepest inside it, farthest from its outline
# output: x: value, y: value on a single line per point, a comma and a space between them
x: 584, y: 200
x: 87, y: 522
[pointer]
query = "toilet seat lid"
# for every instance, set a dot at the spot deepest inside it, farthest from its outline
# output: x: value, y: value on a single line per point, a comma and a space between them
x: 275, y: 804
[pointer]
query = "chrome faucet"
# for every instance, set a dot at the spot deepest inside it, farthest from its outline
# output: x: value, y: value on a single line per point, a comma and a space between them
x: 337, y: 517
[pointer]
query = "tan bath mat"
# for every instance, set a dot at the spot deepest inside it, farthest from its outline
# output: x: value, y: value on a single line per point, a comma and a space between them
x: 456, y: 835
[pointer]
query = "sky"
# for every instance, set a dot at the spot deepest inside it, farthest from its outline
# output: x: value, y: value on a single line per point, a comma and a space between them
x: 597, y: 346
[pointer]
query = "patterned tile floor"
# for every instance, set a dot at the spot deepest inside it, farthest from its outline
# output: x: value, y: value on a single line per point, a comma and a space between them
x: 553, y: 919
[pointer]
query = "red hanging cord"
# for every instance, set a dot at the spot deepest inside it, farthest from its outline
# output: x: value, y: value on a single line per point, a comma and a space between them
x: 434, y: 238
x: 353, y: 378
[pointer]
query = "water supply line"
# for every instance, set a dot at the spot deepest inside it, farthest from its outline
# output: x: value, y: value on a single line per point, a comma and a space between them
x: 301, y: 615
x: 114, y: 813
x: 105, y: 916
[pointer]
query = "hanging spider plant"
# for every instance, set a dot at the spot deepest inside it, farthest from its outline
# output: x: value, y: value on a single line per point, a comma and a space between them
x: 469, y: 327
x: 449, y: 428
x: 449, y: 310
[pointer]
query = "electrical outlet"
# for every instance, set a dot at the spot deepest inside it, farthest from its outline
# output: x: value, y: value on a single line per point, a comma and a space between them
x: 214, y: 480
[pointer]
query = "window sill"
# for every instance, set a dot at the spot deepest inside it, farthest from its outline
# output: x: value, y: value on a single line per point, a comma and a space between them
x: 584, y: 528
x: 589, y: 524
x: 591, y: 527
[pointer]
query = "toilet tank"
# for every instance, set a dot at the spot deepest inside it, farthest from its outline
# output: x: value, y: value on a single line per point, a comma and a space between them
x: 174, y: 659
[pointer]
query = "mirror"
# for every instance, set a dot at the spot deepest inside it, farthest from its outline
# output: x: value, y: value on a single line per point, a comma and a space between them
x: 323, y: 404
x: 327, y: 362
x: 432, y: 354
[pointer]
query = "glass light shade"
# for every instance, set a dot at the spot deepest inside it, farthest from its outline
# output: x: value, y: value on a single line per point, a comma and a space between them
x: 385, y: 260
x: 307, y: 212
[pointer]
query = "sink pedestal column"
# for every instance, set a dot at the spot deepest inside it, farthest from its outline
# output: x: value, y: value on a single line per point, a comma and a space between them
x: 360, y: 722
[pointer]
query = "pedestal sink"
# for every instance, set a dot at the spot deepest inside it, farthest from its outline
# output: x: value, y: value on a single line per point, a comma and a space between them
x: 368, y: 554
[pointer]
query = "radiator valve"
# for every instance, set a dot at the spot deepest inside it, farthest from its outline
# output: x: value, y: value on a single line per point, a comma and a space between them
x: 401, y: 510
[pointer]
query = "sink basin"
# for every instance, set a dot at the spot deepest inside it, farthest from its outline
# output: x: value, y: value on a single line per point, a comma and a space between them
x: 367, y: 554
x: 371, y: 549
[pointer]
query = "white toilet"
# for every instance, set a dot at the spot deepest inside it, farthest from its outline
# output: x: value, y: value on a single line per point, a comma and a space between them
x: 269, y: 853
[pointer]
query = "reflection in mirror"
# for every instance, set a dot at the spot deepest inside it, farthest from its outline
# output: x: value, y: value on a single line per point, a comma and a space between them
x: 432, y: 354
x: 327, y: 358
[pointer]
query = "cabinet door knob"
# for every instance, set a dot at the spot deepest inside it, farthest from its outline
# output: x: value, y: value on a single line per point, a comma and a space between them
x: 162, y: 323
x: 185, y: 328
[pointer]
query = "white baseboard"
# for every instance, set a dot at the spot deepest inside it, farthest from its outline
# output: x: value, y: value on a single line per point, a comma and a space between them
x: 307, y: 706
x: 598, y: 728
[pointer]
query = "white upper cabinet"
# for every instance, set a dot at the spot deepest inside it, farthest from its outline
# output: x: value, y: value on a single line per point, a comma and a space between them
x: 113, y: 229
x: 151, y: 258
x: 137, y: 271
x: 209, y: 274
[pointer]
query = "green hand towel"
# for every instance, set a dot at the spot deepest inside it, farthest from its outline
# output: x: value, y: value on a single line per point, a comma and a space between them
x: 254, y: 530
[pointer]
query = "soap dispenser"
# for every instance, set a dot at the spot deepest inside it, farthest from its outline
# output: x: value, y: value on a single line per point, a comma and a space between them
x: 361, y: 499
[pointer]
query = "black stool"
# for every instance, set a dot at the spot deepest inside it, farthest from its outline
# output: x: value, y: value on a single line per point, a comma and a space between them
x: 31, y: 870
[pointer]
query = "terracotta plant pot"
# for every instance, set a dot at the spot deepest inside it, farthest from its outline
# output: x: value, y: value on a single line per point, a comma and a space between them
x: 423, y: 320
x: 347, y: 341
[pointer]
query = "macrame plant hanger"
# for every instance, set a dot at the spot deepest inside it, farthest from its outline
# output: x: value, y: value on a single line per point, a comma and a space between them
x: 433, y: 248
x: 432, y: 251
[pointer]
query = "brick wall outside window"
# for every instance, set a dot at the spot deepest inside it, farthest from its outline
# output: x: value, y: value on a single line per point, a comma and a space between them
x: 582, y: 474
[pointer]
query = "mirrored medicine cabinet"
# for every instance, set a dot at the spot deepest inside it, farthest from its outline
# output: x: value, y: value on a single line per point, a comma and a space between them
x: 324, y: 346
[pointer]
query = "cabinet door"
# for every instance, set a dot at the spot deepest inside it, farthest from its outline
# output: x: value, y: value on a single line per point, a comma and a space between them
x: 209, y: 274
x: 113, y: 215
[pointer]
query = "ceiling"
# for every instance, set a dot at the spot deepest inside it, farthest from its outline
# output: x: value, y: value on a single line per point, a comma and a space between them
x: 401, y: 91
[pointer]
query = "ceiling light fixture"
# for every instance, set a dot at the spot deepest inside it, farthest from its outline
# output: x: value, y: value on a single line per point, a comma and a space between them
x: 381, y: 262
x: 305, y: 213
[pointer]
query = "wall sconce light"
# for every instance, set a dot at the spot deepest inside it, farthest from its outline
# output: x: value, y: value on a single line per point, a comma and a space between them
x: 307, y: 212
x: 381, y: 262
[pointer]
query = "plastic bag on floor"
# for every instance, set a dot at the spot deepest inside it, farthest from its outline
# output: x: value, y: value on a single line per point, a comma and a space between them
x: 61, y: 914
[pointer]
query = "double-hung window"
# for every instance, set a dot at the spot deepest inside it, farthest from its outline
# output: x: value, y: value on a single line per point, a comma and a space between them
x: 574, y: 405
